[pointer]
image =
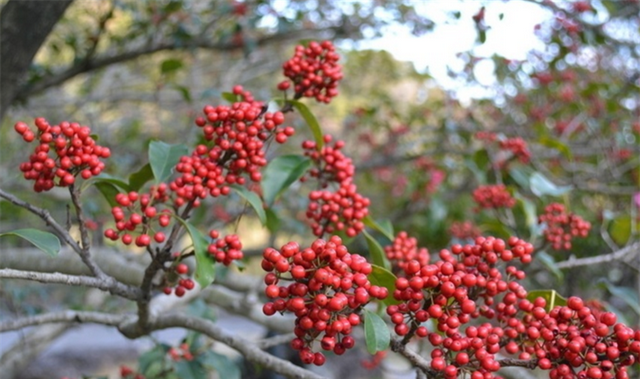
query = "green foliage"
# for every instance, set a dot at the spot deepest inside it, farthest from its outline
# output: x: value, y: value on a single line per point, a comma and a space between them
x: 376, y: 333
x: 45, y: 241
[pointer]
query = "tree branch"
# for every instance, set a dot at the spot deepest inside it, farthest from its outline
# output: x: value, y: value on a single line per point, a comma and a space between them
x: 416, y: 360
x: 63, y: 317
x: 572, y: 262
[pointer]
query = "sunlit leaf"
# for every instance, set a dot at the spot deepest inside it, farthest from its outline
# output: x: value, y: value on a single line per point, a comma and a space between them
x: 163, y: 157
x: 552, y: 298
x: 541, y: 186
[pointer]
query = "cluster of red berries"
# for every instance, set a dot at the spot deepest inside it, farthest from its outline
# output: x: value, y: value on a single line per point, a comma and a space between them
x: 464, y: 230
x: 574, y: 341
x: 463, y: 285
x: 182, y: 352
x: 75, y: 152
x: 334, y: 210
x: 127, y: 372
x: 183, y: 284
x: 518, y: 148
x: 493, y: 196
x: 225, y: 250
x: 329, y: 287
x: 403, y: 250
x: 143, y: 215
x: 562, y: 227
x: 314, y: 71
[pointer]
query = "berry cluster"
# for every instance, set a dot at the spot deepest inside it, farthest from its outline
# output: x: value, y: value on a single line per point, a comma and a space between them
x: 137, y: 215
x: 462, y: 286
x: 403, y: 250
x: 75, y: 152
x: 225, y: 250
x: 314, y: 71
x: 334, y: 210
x: 329, y: 286
x: 518, y: 148
x: 464, y: 230
x: 493, y: 196
x: 183, y: 284
x: 562, y: 227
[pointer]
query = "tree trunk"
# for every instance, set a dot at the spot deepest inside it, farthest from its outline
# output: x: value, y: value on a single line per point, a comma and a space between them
x: 24, y: 25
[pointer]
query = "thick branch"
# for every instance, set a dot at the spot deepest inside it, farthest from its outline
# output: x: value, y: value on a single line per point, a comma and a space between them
x: 63, y: 317
x: 634, y: 248
x: 84, y: 281
x: 24, y: 26
x: 416, y: 360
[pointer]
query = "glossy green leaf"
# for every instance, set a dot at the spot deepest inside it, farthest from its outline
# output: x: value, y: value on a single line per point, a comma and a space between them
x: 550, y: 263
x: 311, y: 121
x: 378, y: 256
x: 192, y: 369
x: 383, y: 226
x: 531, y: 217
x: 376, y: 332
x: 254, y: 201
x: 626, y: 294
x: 109, y: 191
x: 281, y: 173
x: 620, y: 229
x: 273, y: 221
x: 230, y: 97
x: 106, y: 178
x: 45, y: 241
x: 205, y: 263
x: 163, y: 157
x: 382, y: 277
x: 140, y: 177
x: 224, y: 366
x: 541, y: 186
x: 558, y: 145
x: 551, y: 296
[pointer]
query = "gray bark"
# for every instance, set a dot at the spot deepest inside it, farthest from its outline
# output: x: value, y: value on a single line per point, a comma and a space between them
x: 24, y: 25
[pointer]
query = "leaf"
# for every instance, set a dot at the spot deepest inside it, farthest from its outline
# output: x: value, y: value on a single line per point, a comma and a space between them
x: 254, y: 200
x: 106, y: 178
x: 205, y: 264
x: 273, y: 221
x: 521, y: 176
x: 556, y: 144
x: 626, y: 294
x: 541, y: 186
x: 378, y: 256
x: 224, y: 366
x: 383, y: 226
x: 376, y: 333
x: 311, y: 121
x: 281, y: 173
x: 184, y: 91
x: 550, y: 264
x: 190, y: 369
x: 170, y: 65
x: 109, y: 191
x: 620, y: 229
x: 230, y: 97
x: 45, y: 241
x: 155, y: 355
x: 163, y: 157
x: 551, y: 296
x: 530, y: 215
x: 140, y: 177
x: 382, y: 277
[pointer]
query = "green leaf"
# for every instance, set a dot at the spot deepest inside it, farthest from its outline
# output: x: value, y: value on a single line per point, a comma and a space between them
x: 530, y: 215
x: 190, y: 369
x: 205, y: 263
x: 376, y: 332
x: 106, y: 178
x: 541, y: 186
x: 224, y: 366
x: 378, y: 256
x: 163, y: 157
x: 45, y: 241
x: 281, y: 173
x: 382, y: 277
x: 155, y: 355
x: 383, y: 226
x: 551, y: 296
x: 109, y: 191
x: 556, y: 144
x: 230, y: 97
x: 628, y: 295
x: 254, y: 200
x: 140, y: 177
x: 311, y: 121
x: 273, y: 221
x: 171, y: 65
x: 520, y: 175
x: 550, y: 263
x: 184, y: 91
x: 620, y: 229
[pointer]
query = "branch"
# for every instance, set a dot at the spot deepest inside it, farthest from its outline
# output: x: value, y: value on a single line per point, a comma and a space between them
x: 573, y: 262
x: 250, y: 351
x: 416, y: 360
x: 275, y: 341
x: 526, y: 363
x: 63, y: 317
x: 83, y: 281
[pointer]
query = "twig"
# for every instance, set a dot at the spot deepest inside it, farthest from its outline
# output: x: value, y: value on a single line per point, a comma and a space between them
x: 413, y: 357
x: 573, y: 262
x: 63, y: 317
x: 275, y: 341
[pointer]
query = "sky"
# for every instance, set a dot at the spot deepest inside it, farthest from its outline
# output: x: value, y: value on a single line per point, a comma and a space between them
x: 511, y: 37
